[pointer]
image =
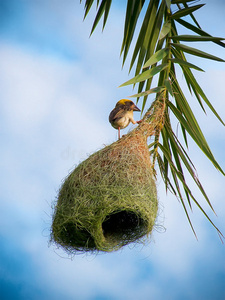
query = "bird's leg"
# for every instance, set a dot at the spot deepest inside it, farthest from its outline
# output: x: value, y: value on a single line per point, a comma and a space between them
x: 118, y: 133
x: 135, y: 122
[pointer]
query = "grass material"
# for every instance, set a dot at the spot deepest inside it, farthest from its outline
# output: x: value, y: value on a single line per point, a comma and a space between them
x: 109, y: 200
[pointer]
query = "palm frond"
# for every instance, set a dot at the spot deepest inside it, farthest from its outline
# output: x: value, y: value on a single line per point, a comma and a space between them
x: 157, y: 53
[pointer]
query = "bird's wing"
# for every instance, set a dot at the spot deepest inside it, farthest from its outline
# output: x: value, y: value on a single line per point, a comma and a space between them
x: 116, y: 113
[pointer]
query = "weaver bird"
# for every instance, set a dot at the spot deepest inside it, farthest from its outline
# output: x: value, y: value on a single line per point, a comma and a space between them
x: 121, y: 116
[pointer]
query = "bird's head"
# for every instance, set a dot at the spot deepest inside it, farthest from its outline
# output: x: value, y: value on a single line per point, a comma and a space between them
x: 127, y: 105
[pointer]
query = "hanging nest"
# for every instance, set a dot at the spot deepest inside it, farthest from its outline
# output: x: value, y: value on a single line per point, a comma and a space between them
x: 110, y: 199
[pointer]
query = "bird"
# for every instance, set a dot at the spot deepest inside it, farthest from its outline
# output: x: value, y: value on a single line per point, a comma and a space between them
x: 121, y: 116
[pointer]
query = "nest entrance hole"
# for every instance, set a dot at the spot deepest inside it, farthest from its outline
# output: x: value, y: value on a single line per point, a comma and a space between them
x: 77, y: 238
x: 122, y: 223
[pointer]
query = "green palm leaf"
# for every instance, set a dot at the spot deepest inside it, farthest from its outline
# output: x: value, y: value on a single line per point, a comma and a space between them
x: 184, y: 63
x: 196, y: 52
x: 181, y: 1
x: 145, y: 75
x: 186, y: 11
x: 132, y: 15
x: 196, y: 38
x: 159, y: 55
x: 198, y: 30
x: 157, y: 89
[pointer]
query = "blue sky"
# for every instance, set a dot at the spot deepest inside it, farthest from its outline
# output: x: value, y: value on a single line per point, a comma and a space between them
x: 57, y: 87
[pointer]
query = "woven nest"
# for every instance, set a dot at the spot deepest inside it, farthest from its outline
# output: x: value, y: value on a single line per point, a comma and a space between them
x: 109, y: 200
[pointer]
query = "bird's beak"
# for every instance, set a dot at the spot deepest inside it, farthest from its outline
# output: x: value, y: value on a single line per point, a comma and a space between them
x: 136, y: 108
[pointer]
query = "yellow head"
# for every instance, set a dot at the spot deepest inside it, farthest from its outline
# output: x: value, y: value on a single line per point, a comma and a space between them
x: 124, y: 102
x: 127, y: 104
